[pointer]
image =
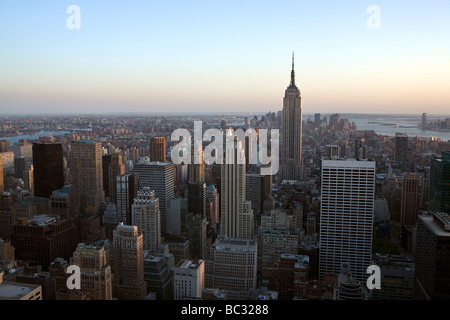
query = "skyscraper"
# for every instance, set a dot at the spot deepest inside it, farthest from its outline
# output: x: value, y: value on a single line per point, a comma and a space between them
x: 127, y: 187
x: 117, y: 168
x: 291, y: 132
x: 424, y: 121
x: 196, y: 171
x: 236, y: 213
x: 197, y: 198
x: 439, y: 199
x: 128, y: 283
x: 409, y: 208
x: 147, y: 217
x: 87, y: 193
x: 346, y: 216
x: 401, y: 149
x: 158, y: 149
x: 159, y: 177
x: 2, y: 183
x: 432, y: 257
x: 48, y: 168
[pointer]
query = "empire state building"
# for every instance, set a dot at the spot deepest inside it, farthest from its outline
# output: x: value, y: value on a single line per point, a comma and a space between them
x: 291, y: 132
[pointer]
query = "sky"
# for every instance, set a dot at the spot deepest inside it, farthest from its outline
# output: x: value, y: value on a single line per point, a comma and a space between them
x: 224, y: 56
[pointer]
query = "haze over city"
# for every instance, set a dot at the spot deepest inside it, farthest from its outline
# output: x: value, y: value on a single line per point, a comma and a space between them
x: 231, y: 56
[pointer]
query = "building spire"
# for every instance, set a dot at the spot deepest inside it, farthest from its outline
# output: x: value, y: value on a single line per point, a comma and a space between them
x: 292, y: 60
x: 292, y: 71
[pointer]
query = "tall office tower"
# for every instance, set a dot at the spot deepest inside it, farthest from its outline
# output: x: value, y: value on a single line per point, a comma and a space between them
x: 317, y: 119
x: 410, y: 200
x: 109, y: 220
x: 235, y: 209
x: 176, y: 210
x: 346, y: 216
x: 397, y: 277
x: 254, y: 192
x: 19, y: 167
x: 159, y: 176
x: 28, y: 180
x: 347, y: 287
x: 199, y: 246
x: 42, y: 239
x: 147, y: 217
x: 116, y: 168
x: 196, y: 171
x: 212, y: 210
x: 48, y: 168
x: 231, y: 266
x: 291, y: 132
x: 439, y: 199
x: 127, y: 187
x: 95, y: 272
x: 401, y: 149
x: 424, y: 121
x: 158, y: 149
x: 197, y: 198
x: 2, y: 183
x: 106, y: 163
x: 188, y: 280
x: 432, y: 257
x: 128, y: 283
x: 87, y: 193
x: 292, y: 276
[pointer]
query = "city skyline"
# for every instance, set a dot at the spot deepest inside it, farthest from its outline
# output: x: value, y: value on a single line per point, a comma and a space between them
x: 201, y: 56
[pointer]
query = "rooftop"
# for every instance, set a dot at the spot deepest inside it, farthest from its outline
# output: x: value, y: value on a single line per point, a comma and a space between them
x: 14, y: 290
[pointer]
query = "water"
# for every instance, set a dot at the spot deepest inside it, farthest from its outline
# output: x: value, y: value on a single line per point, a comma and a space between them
x: 390, y: 124
x: 34, y: 136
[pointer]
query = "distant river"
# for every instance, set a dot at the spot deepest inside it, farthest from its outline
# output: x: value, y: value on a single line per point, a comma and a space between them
x: 390, y: 124
x: 37, y: 135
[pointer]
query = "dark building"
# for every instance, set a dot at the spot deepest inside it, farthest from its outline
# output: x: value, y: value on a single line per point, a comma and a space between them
x: 127, y: 187
x: 158, y: 149
x: 89, y: 228
x: 48, y: 168
x: 432, y: 257
x: 106, y: 164
x: 4, y: 145
x: 197, y: 198
x: 401, y: 149
x: 439, y: 198
x: 20, y: 164
x: 42, y: 239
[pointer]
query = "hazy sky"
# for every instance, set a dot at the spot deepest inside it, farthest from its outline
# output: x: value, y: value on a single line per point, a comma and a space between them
x: 191, y: 56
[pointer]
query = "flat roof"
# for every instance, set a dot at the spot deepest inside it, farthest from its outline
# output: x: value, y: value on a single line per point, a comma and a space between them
x: 16, y: 290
